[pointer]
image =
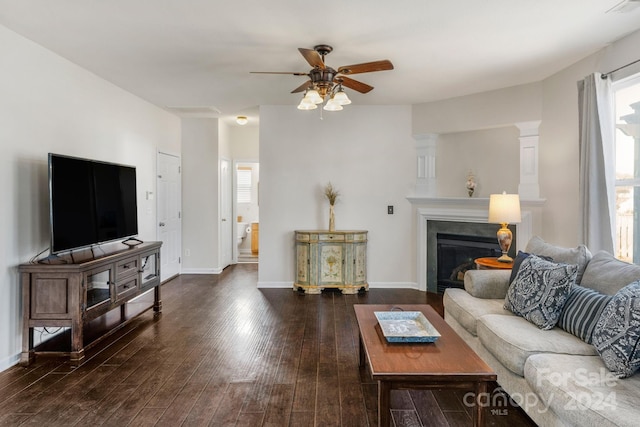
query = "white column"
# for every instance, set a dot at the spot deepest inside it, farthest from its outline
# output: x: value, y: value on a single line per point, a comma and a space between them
x: 529, y: 137
x: 426, y: 180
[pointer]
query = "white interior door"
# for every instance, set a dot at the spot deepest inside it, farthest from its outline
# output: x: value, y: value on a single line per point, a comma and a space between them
x: 226, y: 214
x: 169, y: 214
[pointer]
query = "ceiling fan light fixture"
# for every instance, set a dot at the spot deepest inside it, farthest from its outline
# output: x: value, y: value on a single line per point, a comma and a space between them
x: 332, y: 105
x: 306, y: 104
x: 313, y: 96
x: 341, y: 97
x: 242, y: 120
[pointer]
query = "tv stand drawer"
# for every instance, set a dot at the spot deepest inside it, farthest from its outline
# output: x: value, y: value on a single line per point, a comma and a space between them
x: 127, y: 267
x: 125, y: 287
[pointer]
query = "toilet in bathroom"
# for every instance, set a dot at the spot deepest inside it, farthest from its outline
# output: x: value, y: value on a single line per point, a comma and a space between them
x: 242, y: 231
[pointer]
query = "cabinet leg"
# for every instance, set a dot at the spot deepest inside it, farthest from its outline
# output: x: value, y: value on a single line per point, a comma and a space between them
x: 157, y: 302
x: 76, y: 357
x: 27, y: 356
x: 77, y: 344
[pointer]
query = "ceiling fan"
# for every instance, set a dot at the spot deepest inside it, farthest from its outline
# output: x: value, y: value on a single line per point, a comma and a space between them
x: 326, y: 83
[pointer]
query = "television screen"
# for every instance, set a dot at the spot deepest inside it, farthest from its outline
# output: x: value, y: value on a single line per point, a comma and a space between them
x: 90, y: 202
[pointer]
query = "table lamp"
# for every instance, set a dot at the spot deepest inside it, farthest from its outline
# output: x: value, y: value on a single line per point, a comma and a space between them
x: 504, y: 209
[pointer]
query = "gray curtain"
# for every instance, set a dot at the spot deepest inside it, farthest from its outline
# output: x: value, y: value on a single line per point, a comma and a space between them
x: 597, y: 163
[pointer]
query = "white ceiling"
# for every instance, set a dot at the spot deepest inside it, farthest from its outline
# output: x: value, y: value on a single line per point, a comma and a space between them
x: 198, y: 53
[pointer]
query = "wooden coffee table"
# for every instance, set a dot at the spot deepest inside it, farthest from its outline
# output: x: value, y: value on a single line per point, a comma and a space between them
x: 447, y: 363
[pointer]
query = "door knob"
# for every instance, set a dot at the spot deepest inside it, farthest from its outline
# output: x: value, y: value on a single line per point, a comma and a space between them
x: 224, y: 219
x: 161, y: 224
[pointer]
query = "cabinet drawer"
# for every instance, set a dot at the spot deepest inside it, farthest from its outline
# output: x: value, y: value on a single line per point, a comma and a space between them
x: 330, y: 237
x: 127, y: 267
x: 126, y: 286
x: 303, y: 237
x: 357, y: 237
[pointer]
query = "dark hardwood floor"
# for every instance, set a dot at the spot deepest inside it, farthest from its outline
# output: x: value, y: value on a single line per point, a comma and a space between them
x: 225, y: 353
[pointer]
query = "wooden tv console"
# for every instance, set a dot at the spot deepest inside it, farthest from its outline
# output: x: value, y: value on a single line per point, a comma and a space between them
x: 71, y: 295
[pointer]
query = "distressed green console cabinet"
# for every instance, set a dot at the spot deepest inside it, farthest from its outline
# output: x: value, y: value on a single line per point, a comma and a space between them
x: 331, y: 259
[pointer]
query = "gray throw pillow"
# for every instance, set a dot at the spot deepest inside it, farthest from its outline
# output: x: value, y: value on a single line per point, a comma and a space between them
x: 582, y: 311
x: 607, y: 274
x: 540, y: 290
x: 580, y: 255
x: 617, y: 333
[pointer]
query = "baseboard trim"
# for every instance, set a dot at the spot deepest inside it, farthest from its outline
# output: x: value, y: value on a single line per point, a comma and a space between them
x: 275, y: 285
x: 372, y: 285
x: 201, y: 271
x: 393, y: 285
x: 8, y: 362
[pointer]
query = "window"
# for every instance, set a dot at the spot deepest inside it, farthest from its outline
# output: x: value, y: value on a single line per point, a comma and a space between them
x: 627, y: 140
x: 244, y: 185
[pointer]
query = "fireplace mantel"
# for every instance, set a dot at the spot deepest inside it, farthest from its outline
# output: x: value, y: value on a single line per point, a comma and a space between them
x: 468, y: 202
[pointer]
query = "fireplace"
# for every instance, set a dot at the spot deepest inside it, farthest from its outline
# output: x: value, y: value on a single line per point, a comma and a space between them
x: 455, y: 255
x: 453, y: 245
x: 460, y: 213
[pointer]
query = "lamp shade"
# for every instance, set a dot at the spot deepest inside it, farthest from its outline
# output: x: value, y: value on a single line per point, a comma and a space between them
x: 504, y: 208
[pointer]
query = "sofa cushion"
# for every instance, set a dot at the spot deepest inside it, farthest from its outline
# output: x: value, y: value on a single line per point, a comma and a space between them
x: 466, y: 309
x: 617, y: 334
x: 607, y: 274
x: 582, y: 311
x: 512, y: 339
x: 580, y: 255
x: 582, y: 392
x: 487, y: 283
x: 540, y: 290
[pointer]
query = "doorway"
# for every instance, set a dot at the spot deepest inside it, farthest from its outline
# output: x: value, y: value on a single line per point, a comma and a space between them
x: 247, y: 208
x: 169, y: 227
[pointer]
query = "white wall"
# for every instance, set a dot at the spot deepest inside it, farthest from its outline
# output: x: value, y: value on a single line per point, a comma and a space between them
x: 483, y: 152
x: 244, y: 142
x: 496, y: 108
x: 48, y: 104
x: 554, y: 101
x: 368, y: 154
x: 200, y: 179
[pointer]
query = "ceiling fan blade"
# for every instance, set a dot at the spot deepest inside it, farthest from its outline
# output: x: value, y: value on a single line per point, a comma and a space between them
x: 279, y: 72
x: 313, y: 58
x: 304, y: 86
x: 366, y: 67
x: 355, y: 85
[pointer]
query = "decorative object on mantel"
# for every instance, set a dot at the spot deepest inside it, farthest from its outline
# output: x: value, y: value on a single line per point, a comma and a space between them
x: 471, y: 183
x: 331, y: 195
x: 504, y: 209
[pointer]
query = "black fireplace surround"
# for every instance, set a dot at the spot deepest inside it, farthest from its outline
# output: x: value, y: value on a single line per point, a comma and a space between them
x: 452, y: 246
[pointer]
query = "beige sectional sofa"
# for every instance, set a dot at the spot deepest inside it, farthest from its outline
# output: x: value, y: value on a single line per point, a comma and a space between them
x: 556, y: 377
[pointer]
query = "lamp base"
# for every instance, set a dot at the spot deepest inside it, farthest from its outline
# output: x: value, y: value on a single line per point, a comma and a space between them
x: 505, y: 258
x: 504, y: 240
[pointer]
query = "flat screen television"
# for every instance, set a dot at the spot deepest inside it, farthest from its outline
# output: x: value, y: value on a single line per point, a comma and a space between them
x: 90, y: 202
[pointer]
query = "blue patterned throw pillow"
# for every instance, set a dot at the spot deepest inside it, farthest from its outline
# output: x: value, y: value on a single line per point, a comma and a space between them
x: 539, y: 291
x: 582, y: 312
x: 617, y: 333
